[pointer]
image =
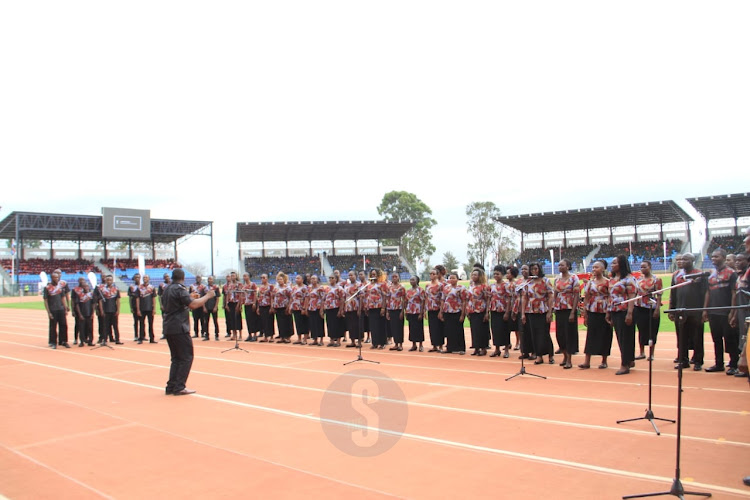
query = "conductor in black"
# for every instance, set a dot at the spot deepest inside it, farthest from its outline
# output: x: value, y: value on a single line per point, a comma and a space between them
x: 177, y: 301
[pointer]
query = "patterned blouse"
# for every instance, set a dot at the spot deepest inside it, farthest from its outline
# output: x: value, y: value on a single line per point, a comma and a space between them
x: 455, y: 298
x: 351, y: 290
x: 621, y: 290
x: 396, y: 294
x: 249, y: 291
x: 645, y: 286
x: 334, y: 297
x: 597, y: 296
x: 230, y: 292
x: 374, y: 295
x: 566, y: 291
x: 299, y: 294
x: 314, y: 298
x: 415, y: 300
x: 500, y: 296
x: 538, y: 293
x: 479, y: 297
x: 433, y: 296
x: 517, y: 294
x: 281, y: 297
x: 265, y: 294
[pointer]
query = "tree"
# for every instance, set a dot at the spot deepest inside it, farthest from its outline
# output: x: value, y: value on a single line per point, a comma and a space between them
x: 197, y: 268
x: 417, y: 242
x: 450, y: 261
x: 482, y: 227
x: 505, y: 249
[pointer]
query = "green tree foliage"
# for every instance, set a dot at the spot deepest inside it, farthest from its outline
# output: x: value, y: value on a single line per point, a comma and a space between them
x: 417, y: 243
x: 482, y: 228
x: 450, y: 261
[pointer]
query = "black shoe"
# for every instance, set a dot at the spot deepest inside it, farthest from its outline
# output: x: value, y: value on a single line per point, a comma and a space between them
x: 152, y: 342
x: 715, y: 368
x: 140, y: 341
x: 746, y: 480
x: 697, y: 368
x: 684, y: 365
x: 66, y: 345
x: 205, y: 338
x: 53, y: 346
x: 118, y: 343
x: 731, y: 371
x: 216, y: 338
x: 740, y: 374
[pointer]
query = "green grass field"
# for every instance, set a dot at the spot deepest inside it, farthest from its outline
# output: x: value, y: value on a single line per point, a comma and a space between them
x: 665, y: 326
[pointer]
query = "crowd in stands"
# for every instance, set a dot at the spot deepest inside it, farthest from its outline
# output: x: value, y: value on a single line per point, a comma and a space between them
x: 386, y: 262
x: 125, y: 264
x: 642, y: 250
x: 288, y: 265
x: 732, y: 244
x: 36, y: 266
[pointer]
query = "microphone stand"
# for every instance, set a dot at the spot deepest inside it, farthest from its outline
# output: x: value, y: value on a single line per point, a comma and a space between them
x: 523, y: 371
x: 649, y: 412
x: 677, y: 489
x: 361, y: 334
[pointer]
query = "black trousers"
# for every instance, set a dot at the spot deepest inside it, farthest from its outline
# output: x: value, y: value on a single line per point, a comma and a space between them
x: 690, y: 336
x: 76, y: 326
x: 111, y: 326
x: 436, y: 328
x: 266, y: 321
x: 136, y: 325
x: 100, y: 321
x: 724, y: 335
x: 147, y: 315
x: 215, y: 315
x: 317, y: 330
x: 352, y: 322
x: 625, y: 336
x: 58, y: 327
x: 86, y: 330
x: 396, y: 325
x: 333, y: 323
x: 377, y: 327
x: 645, y: 322
x: 252, y: 320
x: 181, y: 349
x: 198, y: 322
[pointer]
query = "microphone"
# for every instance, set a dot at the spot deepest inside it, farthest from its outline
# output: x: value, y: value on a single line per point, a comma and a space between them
x: 704, y: 274
x: 534, y: 277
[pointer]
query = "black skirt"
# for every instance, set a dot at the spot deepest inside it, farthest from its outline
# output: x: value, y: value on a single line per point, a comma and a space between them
x: 352, y: 321
x: 598, y: 335
x: 625, y: 336
x: 266, y: 321
x: 565, y: 331
x: 454, y: 332
x: 301, y: 323
x: 377, y: 327
x: 416, y: 328
x: 540, y: 333
x: 317, y: 330
x: 396, y: 324
x: 333, y: 323
x: 480, y: 330
x: 436, y: 327
x: 252, y: 319
x: 645, y: 322
x: 500, y: 329
x: 284, y: 324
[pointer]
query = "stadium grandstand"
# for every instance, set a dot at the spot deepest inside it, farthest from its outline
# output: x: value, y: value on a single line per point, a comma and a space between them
x: 724, y: 215
x: 77, y: 245
x: 638, y: 230
x: 321, y: 247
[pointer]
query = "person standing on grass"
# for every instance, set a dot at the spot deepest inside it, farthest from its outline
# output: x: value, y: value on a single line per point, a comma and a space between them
x: 177, y: 302
x: 57, y: 304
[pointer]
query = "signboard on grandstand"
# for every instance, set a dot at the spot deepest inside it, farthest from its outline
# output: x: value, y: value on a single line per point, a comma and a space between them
x: 122, y: 224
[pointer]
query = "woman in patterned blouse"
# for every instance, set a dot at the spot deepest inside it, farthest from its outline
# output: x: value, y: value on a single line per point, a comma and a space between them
x: 313, y: 306
x: 514, y: 282
x: 415, y: 306
x: 282, y: 297
x: 595, y: 301
x: 478, y: 311
x: 536, y: 307
x: 622, y: 288
x: 501, y: 300
x: 395, y: 311
x: 375, y: 302
x: 364, y: 322
x: 353, y: 309
x: 332, y: 303
x: 433, y: 301
x: 567, y: 295
x: 453, y: 313
x: 265, y: 294
x: 297, y: 307
x: 249, y: 291
x: 647, y: 313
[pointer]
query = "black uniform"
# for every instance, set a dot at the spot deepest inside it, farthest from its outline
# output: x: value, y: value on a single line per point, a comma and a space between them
x: 85, y: 314
x: 133, y: 296
x: 146, y: 303
x: 176, y: 300
x: 109, y: 297
x: 58, y: 323
x: 689, y: 324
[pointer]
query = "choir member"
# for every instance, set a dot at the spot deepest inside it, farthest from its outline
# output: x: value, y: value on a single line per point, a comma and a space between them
x: 453, y: 313
x: 395, y: 311
x: 622, y: 288
x: 567, y: 296
x: 265, y: 294
x: 536, y: 308
x: 415, y: 307
x: 433, y: 302
x: 314, y: 306
x: 375, y: 303
x: 477, y: 309
x: 501, y: 301
x: 647, y: 312
x: 280, y: 301
x: 297, y: 307
x: 353, y: 309
x: 249, y: 302
x: 595, y: 305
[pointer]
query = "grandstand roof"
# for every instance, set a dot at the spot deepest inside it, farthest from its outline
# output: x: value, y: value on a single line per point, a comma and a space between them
x: 67, y: 227
x: 724, y: 206
x: 633, y: 214
x: 322, y: 230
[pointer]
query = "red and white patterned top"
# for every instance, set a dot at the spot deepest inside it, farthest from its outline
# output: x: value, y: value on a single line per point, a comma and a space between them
x: 500, y: 296
x: 645, y: 286
x: 230, y: 292
x: 415, y: 301
x: 621, y: 290
x: 566, y: 291
x: 334, y: 297
x: 314, y: 298
x: 351, y: 290
x: 479, y: 298
x: 374, y: 295
x: 396, y: 294
x: 265, y: 295
x: 433, y: 296
x: 299, y: 294
x: 249, y: 290
x: 281, y: 297
x: 597, y: 296
x: 517, y: 294
x: 538, y: 293
x: 455, y: 298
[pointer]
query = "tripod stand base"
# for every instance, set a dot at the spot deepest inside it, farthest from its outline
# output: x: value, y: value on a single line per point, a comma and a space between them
x: 360, y: 358
x: 677, y: 490
x: 524, y: 372
x: 650, y: 417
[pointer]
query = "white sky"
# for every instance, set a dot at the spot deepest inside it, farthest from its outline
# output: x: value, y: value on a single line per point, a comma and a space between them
x: 312, y: 110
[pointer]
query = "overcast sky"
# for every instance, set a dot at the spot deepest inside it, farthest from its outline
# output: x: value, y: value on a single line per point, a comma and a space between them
x: 312, y: 110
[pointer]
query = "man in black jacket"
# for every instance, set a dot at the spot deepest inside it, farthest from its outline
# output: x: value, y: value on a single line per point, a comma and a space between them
x: 177, y: 301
